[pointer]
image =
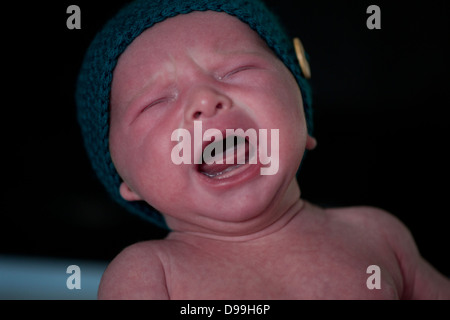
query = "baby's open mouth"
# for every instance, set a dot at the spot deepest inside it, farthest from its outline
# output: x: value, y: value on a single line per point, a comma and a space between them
x: 234, y: 151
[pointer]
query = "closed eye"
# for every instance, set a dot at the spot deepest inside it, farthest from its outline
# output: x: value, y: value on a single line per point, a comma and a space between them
x: 237, y: 70
x: 155, y: 102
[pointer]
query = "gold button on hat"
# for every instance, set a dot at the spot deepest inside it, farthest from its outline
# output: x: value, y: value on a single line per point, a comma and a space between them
x: 300, y: 52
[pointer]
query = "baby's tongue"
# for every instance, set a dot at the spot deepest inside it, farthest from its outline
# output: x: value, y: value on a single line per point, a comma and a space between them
x: 215, y: 170
x: 230, y: 161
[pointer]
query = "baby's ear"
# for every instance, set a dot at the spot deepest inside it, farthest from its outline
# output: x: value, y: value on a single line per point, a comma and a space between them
x: 127, y: 193
x: 311, y: 143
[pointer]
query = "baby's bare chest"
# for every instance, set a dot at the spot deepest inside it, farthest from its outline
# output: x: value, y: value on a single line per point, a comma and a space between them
x: 325, y: 271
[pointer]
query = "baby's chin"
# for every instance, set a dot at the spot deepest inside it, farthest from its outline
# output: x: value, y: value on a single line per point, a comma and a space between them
x: 237, y: 213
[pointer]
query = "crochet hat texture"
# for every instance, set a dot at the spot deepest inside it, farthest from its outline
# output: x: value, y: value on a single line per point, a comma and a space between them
x: 94, y: 82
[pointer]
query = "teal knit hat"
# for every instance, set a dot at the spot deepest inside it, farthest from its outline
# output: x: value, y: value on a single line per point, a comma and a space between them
x: 94, y: 82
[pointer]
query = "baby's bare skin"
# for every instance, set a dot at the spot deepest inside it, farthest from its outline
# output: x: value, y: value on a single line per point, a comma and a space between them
x: 316, y: 254
x: 246, y: 236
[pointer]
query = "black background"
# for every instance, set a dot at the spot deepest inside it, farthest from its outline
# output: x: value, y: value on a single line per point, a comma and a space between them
x: 380, y: 99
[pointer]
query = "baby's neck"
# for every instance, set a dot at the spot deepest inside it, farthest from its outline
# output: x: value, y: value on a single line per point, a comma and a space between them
x: 273, y: 229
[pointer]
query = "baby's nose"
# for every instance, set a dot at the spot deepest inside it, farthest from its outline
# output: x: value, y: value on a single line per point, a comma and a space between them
x: 206, y: 102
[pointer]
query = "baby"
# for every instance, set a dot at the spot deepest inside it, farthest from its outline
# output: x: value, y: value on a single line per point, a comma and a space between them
x: 162, y: 68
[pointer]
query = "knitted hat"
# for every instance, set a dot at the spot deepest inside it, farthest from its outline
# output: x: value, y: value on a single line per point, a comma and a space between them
x: 94, y: 82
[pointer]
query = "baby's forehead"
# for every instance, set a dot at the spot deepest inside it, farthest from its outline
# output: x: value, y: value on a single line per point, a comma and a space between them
x: 207, y: 32
x: 207, y: 38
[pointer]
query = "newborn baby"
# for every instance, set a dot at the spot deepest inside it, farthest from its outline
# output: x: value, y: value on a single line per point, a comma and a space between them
x: 236, y: 232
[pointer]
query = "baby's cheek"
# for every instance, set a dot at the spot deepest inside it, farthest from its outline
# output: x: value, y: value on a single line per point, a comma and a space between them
x: 118, y: 146
x: 159, y: 181
x: 292, y: 133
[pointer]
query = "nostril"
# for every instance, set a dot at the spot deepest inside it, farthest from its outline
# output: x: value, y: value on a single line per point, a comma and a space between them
x: 197, y: 115
x: 219, y: 106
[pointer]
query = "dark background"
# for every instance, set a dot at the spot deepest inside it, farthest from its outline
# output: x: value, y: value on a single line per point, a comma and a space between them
x: 380, y: 99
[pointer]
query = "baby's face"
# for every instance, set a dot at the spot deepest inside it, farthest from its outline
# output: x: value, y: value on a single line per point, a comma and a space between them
x: 212, y: 68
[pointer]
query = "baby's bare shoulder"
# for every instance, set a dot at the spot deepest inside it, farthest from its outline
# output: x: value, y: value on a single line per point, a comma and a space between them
x: 379, y: 225
x: 369, y: 218
x: 371, y: 227
x: 359, y: 213
x: 420, y: 280
x: 136, y: 273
